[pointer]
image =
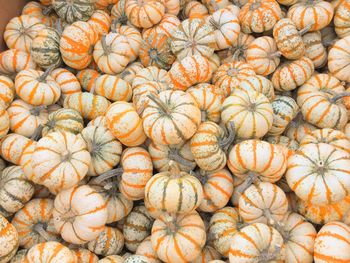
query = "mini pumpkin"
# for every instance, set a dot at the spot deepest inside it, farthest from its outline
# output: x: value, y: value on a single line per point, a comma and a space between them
x: 167, y: 26
x: 338, y: 63
x: 341, y: 20
x: 133, y: 37
x: 101, y: 21
x: 4, y: 122
x: 13, y: 147
x: 113, y: 88
x: 145, y: 14
x: 68, y: 83
x: 145, y: 249
x: 8, y: 238
x: 258, y: 83
x: 85, y: 256
x: 109, y: 242
x: 71, y: 11
x: 13, y: 61
x: 7, y: 91
x: 54, y: 252
x: 315, y: 48
x: 237, y: 51
x: 87, y: 78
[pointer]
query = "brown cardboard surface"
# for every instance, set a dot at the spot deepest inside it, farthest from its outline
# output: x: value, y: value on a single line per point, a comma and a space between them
x: 8, y: 10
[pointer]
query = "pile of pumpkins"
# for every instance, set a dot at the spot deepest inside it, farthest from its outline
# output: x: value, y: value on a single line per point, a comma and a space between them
x: 148, y: 131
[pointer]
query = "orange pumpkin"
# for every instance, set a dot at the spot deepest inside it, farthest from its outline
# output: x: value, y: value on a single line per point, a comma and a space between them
x: 195, y: 9
x: 101, y: 21
x: 145, y: 14
x: 68, y: 83
x: 87, y: 78
x: 133, y: 37
x: 113, y: 88
x: 166, y: 26
x: 54, y: 252
x: 13, y: 61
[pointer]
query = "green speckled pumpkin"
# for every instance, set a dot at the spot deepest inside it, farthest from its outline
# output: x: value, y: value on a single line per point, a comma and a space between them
x: 74, y: 10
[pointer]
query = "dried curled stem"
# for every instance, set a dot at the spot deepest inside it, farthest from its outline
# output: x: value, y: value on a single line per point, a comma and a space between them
x: 109, y: 174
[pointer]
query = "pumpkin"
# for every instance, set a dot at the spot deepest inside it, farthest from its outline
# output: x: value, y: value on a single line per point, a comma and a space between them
x: 141, y: 92
x: 207, y: 255
x: 257, y: 242
x: 183, y: 76
x: 161, y: 155
x: 50, y: 251
x: 71, y: 11
x: 101, y: 21
x: 4, y: 122
x: 167, y: 26
x: 341, y: 20
x: 13, y: 61
x: 113, y: 88
x: 315, y: 48
x: 125, y: 124
x: 156, y: 51
x: 298, y: 128
x: 88, y: 218
x: 60, y: 161
x: 317, y: 13
x: 77, y: 44
x: 20, y: 32
x: 39, y: 11
x: 136, y: 259
x: 112, y: 259
x: 332, y: 243
x: 290, y: 75
x: 112, y: 53
x: 105, y: 4
x: 311, y: 169
x: 289, y: 146
x: 7, y: 91
x: 13, y: 146
x: 34, y: 223
x: 137, y: 227
x: 152, y: 73
x: 130, y: 71
x: 229, y: 75
x: 338, y: 64
x: 109, y: 242
x: 178, y: 238
x: 251, y: 113
x: 145, y: 14
x: 172, y: 7
x: 145, y: 249
x: 209, y: 145
x: 15, y: 190
x: 68, y: 83
x: 37, y: 87
x: 223, y: 225
x: 8, y: 238
x: 258, y: 16
x: 88, y: 105
x: 85, y: 256
x: 166, y: 120
x: 137, y: 171
x: 195, y: 9
x: 87, y: 78
x: 20, y: 256
x: 118, y: 14
x: 133, y: 37
x: 258, y: 83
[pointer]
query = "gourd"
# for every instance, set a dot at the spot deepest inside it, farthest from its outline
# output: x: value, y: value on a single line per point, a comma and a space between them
x: 145, y: 249
x: 101, y: 21
x: 71, y: 11
x: 260, y: 84
x: 53, y: 251
x: 7, y: 91
x: 195, y: 9
x: 4, y: 122
x: 87, y: 78
x: 109, y: 242
x: 145, y: 14
x: 315, y: 48
x: 83, y: 255
x: 68, y: 83
x: 13, y: 147
x: 167, y: 26
x: 237, y: 51
x: 207, y: 255
x: 13, y: 61
x: 8, y: 238
x: 112, y: 88
x: 341, y: 21
x: 338, y: 63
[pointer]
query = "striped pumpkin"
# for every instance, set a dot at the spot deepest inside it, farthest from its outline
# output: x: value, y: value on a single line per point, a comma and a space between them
x: 113, y: 88
x: 290, y: 75
x: 105, y: 4
x: 68, y: 83
x: 229, y: 75
x: 130, y: 71
x: 256, y: 243
x: 50, y: 251
x: 251, y: 112
x: 288, y: 146
x: 223, y: 225
x: 338, y: 62
x: 52, y: 161
x: 178, y: 238
x: 259, y: 84
x: 85, y: 256
x: 7, y: 91
x: 166, y: 120
x: 161, y: 155
x: 87, y: 220
x: 98, y: 121
x: 137, y: 227
x: 13, y: 61
x: 118, y: 14
x: 104, y: 149
x: 5, y: 122
x: 263, y: 203
x: 193, y: 37
x: 209, y: 145
x: 315, y: 49
x: 140, y: 95
x: 71, y: 11
x: 39, y: 11
x: 174, y: 191
x: 213, y: 6
x: 145, y: 249
x: 137, y: 171
x: 88, y: 105
x: 112, y: 53
x: 183, y: 76
x: 298, y: 128
x: 101, y: 21
x: 20, y: 32
x: 34, y: 223
x: 112, y: 259
x: 13, y: 146
x: 16, y: 190
x: 8, y: 238
x: 87, y: 78
x: 145, y: 14
x: 258, y: 16
x: 332, y: 243
x: 37, y: 87
x: 341, y: 19
x: 208, y: 254
x: 125, y: 124
x: 109, y: 242
x: 172, y: 7
x: 217, y: 189
x: 167, y: 26
x: 195, y: 9
x: 152, y: 73
x: 133, y: 37
x: 312, y: 167
x: 76, y: 44
x: 317, y: 13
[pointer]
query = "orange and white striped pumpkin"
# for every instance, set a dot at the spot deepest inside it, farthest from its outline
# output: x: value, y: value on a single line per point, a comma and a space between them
x: 50, y: 251
x: 8, y: 238
x: 77, y: 44
x: 298, y: 128
x: 166, y: 118
x: 195, y: 9
x: 137, y: 171
x: 88, y: 218
x: 20, y: 256
x: 183, y: 75
x: 87, y: 78
x: 338, y: 62
x: 237, y: 51
x: 13, y: 61
x: 258, y: 16
x: 178, y: 238
x: 125, y: 124
x: 166, y: 26
x: 341, y: 20
x: 311, y: 169
x: 172, y: 7
x: 34, y: 223
x: 332, y: 243
x: 101, y: 21
x: 145, y: 249
x: 7, y: 91
x: 251, y: 112
x: 208, y: 254
x: 13, y: 146
x: 113, y: 88
x: 257, y: 242
x: 133, y: 37
x: 109, y: 242
x: 20, y: 32
x: 140, y: 94
x: 68, y: 83
x: 317, y: 13
x: 152, y: 73
x: 85, y: 256
x: 174, y: 191
x: 39, y: 11
x: 98, y: 121
x: 145, y: 14
x: 5, y: 122
x: 112, y: 259
x: 288, y: 146
x: 315, y: 49
x: 60, y: 161
x: 258, y: 83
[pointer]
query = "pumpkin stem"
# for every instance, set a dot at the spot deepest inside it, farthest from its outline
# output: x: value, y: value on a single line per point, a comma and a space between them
x: 47, y: 10
x: 40, y: 229
x: 47, y: 72
x: 275, y: 54
x: 174, y: 169
x: 203, y: 116
x: 266, y: 256
x: 306, y: 29
x: 267, y: 214
x: 236, y: 54
x: 252, y: 178
x: 159, y: 103
x: 37, y: 133
x: 328, y: 43
x: 36, y: 110
x: 226, y: 142
x: 108, y: 174
x: 340, y: 96
x: 114, y: 24
x: 281, y: 228
x: 175, y: 155
x: 170, y: 220
x: 59, y: 26
x: 105, y: 47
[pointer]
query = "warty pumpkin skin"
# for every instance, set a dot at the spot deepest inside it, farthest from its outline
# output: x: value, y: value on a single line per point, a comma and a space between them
x: 133, y: 37
x: 71, y: 11
x: 8, y: 239
x: 195, y: 9
x: 50, y: 251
